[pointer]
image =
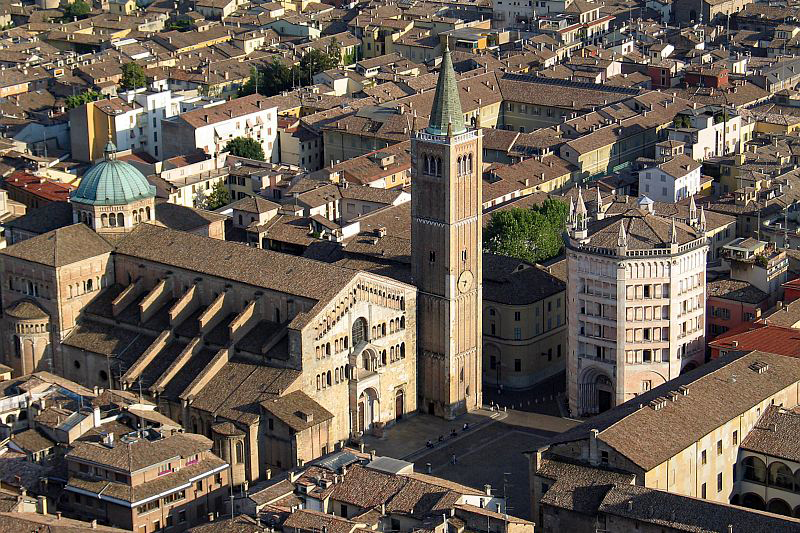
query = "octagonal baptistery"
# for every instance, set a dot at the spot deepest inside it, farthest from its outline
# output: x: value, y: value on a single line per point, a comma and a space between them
x: 113, y: 196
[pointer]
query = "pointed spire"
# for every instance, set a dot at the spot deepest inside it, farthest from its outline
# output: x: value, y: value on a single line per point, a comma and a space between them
x: 622, y: 240
x: 581, y: 209
x: 599, y: 201
x: 692, y: 209
x: 702, y: 219
x: 447, y: 118
x: 674, y: 233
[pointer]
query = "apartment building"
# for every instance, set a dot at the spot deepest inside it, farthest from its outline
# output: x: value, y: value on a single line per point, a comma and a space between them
x: 672, y: 179
x: 524, y: 323
x: 132, y: 121
x: 710, y: 131
x: 210, y: 129
x: 676, y: 449
x: 146, y: 481
x: 635, y: 303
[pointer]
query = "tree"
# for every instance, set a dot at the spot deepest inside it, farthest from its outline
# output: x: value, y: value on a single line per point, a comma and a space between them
x: 533, y: 234
x: 77, y: 9
x: 133, y: 76
x: 245, y: 147
x: 77, y: 100
x: 315, y: 61
x: 218, y: 197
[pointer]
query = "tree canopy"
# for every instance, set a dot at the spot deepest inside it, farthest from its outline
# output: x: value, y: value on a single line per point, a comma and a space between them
x: 533, y: 234
x: 245, y: 147
x: 77, y: 100
x: 77, y: 9
x: 133, y: 76
x: 275, y: 77
x: 219, y: 197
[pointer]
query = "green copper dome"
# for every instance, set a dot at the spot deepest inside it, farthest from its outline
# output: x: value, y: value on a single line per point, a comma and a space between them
x: 446, y: 113
x: 112, y: 182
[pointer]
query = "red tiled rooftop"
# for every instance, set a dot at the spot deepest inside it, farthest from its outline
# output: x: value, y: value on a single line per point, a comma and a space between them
x: 39, y: 186
x: 772, y: 339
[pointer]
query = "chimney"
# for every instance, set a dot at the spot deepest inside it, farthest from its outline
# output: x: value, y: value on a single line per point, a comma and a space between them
x: 210, y: 517
x: 41, y: 505
x: 94, y: 524
x: 372, y: 455
x: 594, y: 460
x: 96, y: 417
x: 58, y: 515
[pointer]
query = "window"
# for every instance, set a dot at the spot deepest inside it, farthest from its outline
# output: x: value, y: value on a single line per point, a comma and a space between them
x: 604, y: 458
x: 432, y: 257
x: 646, y: 385
x: 517, y: 365
x: 147, y: 507
x: 181, y: 517
x: 703, y: 491
x: 492, y: 362
x: 517, y: 333
x: 735, y: 438
x: 719, y: 447
x: 703, y: 459
x: 719, y: 482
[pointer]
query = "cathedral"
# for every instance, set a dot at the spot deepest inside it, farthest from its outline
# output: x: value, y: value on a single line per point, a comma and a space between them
x: 278, y: 357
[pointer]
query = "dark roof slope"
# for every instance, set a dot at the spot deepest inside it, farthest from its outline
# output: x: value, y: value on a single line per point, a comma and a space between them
x: 512, y: 281
x: 60, y: 247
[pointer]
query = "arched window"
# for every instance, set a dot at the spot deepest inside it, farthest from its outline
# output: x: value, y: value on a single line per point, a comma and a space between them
x: 402, y: 350
x: 402, y: 322
x: 112, y: 220
x: 11, y: 419
x: 23, y: 415
x: 345, y: 343
x: 438, y: 166
x: 89, y: 285
x: 754, y: 469
x: 336, y: 375
x: 239, y: 452
x: 459, y: 164
x: 147, y: 210
x: 781, y: 476
x: 427, y: 164
x: 469, y: 163
x: 329, y: 378
x: 383, y: 328
x: 240, y: 220
x: 383, y: 358
x: 365, y: 361
x: 359, y: 330
x: 17, y: 347
x: 135, y: 217
x: 391, y: 354
x: 318, y: 382
x: 120, y: 220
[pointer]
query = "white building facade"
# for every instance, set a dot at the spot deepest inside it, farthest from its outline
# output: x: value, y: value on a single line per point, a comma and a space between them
x: 672, y: 180
x: 635, y: 304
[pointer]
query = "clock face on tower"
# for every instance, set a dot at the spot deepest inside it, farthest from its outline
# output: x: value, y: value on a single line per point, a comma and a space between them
x: 465, y: 281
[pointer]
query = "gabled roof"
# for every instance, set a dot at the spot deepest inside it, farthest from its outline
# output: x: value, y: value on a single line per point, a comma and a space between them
x: 60, y: 247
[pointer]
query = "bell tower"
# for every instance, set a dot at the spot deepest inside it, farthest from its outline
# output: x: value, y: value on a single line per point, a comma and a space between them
x: 446, y: 253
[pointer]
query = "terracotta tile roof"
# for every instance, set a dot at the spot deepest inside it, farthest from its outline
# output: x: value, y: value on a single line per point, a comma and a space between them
x: 665, y: 509
x: 308, y: 520
x: 142, y: 453
x: 229, y: 260
x: 32, y: 441
x: 297, y: 410
x: 235, y: 108
x: 60, y: 247
x: 732, y: 289
x: 644, y: 231
x: 148, y: 489
x: 25, y: 309
x: 648, y: 437
x: 773, y: 339
x: 515, y: 282
x: 44, y: 188
x: 777, y: 434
